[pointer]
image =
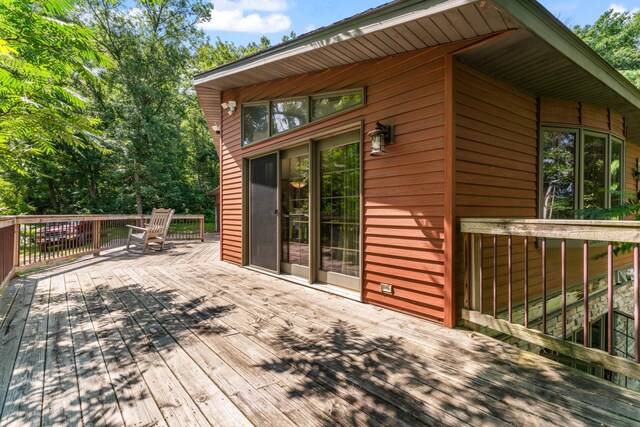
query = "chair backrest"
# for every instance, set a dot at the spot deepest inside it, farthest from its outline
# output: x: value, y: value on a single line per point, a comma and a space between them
x: 159, y: 222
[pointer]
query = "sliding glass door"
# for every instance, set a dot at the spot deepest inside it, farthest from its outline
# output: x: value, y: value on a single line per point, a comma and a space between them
x: 339, y: 210
x: 294, y: 187
x: 313, y: 232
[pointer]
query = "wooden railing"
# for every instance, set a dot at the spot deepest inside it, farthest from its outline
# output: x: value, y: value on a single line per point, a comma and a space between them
x: 556, y: 284
x: 31, y: 241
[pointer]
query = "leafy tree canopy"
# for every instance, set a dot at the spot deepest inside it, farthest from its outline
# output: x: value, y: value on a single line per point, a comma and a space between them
x: 616, y: 37
x: 42, y: 53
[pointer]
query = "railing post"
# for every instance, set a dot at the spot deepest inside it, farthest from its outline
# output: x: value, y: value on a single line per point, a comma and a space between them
x: 96, y: 237
x: 16, y: 244
x: 202, y: 228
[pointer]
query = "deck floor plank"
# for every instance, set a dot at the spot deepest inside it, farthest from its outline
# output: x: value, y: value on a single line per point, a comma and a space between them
x: 135, y: 400
x: 193, y: 334
x: 174, y: 402
x: 12, y: 330
x: 210, y: 400
x: 23, y: 403
x: 181, y: 338
x: 97, y: 395
x: 61, y: 400
x: 535, y: 389
x: 301, y: 410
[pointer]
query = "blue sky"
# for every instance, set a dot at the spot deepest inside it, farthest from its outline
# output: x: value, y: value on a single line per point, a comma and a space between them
x: 243, y: 21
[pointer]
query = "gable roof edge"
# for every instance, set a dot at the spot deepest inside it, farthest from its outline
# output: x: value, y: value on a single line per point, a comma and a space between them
x: 552, y: 31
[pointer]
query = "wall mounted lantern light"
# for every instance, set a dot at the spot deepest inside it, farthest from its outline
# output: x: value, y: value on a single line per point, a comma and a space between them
x: 381, y: 136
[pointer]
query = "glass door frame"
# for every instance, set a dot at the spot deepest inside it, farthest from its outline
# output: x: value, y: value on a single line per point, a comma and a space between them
x: 312, y: 144
x: 296, y: 270
x: 317, y: 275
x: 246, y: 241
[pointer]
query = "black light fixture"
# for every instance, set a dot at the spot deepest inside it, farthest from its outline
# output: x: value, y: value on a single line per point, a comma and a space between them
x: 381, y: 136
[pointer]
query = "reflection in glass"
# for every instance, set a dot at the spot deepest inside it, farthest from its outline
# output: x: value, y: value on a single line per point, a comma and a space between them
x: 326, y: 105
x: 616, y: 168
x: 255, y: 123
x: 340, y: 209
x: 295, y: 210
x: 289, y: 114
x: 558, y: 170
x: 594, y: 171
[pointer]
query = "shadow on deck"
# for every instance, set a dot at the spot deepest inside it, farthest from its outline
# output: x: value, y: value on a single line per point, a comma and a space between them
x: 180, y: 338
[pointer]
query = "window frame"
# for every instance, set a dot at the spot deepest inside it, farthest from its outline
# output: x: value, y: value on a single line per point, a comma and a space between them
x: 581, y: 132
x: 309, y: 98
x: 253, y: 104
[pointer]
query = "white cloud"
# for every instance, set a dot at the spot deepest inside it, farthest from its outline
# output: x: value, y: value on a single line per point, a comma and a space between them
x: 621, y: 8
x: 249, y: 16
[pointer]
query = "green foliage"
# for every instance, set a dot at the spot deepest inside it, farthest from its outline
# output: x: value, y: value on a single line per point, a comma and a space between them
x: 113, y: 73
x: 616, y: 37
x: 42, y: 53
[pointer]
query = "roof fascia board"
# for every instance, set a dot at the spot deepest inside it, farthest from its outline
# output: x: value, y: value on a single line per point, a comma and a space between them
x: 387, y: 17
x: 548, y: 28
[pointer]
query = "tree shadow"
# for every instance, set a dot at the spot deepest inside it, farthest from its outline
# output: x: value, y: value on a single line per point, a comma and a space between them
x: 81, y: 352
x: 380, y: 380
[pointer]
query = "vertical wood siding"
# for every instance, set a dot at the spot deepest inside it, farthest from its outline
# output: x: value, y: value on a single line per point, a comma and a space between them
x: 403, y: 217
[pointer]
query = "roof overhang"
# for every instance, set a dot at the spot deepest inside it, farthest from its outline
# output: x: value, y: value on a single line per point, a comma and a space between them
x: 408, y: 25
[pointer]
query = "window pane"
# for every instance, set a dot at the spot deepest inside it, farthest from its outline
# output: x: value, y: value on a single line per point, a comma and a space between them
x: 295, y: 210
x: 324, y: 106
x: 289, y: 114
x: 255, y: 123
x: 617, y: 198
x: 340, y: 209
x: 558, y: 169
x: 594, y: 171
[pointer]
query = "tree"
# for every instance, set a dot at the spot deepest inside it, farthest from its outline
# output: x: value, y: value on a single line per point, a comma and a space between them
x: 141, y: 94
x: 42, y: 52
x: 616, y: 37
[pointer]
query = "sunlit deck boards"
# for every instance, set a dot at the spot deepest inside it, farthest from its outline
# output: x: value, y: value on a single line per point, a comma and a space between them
x: 179, y: 338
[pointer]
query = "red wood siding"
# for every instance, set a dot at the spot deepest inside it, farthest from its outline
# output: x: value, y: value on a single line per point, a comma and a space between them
x: 496, y: 176
x: 403, y: 192
x: 496, y: 154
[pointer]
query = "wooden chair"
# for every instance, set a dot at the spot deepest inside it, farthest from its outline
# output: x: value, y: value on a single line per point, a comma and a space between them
x: 155, y: 231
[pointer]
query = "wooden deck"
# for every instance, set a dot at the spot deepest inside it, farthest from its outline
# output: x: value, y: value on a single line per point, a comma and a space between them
x: 180, y: 338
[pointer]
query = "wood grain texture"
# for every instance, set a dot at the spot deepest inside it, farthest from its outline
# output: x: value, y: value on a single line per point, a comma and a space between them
x: 184, y: 335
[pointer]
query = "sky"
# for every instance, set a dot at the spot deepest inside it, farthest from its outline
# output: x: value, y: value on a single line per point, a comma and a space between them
x: 244, y: 21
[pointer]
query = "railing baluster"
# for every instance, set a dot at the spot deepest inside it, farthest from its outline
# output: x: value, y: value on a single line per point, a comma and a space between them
x: 526, y: 282
x: 468, y: 271
x: 509, y: 277
x: 481, y: 274
x: 544, y: 285
x: 610, y: 296
x: 495, y: 275
x: 585, y: 288
x: 563, y: 273
x: 636, y: 297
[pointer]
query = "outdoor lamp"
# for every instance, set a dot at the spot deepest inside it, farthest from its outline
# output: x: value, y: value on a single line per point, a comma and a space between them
x: 380, y: 138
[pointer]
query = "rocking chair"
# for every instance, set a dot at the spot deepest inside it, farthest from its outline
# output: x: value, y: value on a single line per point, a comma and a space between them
x: 155, y: 231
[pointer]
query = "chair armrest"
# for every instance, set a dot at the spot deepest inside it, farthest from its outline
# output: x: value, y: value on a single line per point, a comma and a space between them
x: 137, y: 228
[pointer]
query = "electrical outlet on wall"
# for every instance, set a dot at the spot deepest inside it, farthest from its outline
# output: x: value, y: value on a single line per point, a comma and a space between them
x: 386, y: 288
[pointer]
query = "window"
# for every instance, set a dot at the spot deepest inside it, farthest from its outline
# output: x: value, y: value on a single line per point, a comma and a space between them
x: 579, y: 170
x: 260, y: 120
x: 255, y: 122
x: 289, y: 114
x: 327, y: 105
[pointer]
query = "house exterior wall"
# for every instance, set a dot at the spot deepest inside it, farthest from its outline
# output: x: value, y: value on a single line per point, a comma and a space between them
x: 403, y: 192
x: 497, y: 177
